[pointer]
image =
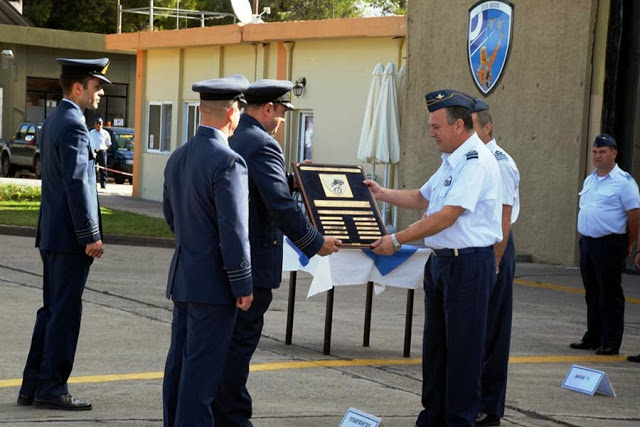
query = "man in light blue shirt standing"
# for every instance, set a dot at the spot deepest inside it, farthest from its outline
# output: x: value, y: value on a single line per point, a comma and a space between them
x: 499, y: 314
x: 462, y: 224
x: 608, y: 222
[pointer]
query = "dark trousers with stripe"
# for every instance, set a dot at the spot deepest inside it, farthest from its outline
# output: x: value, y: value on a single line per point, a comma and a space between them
x: 602, y: 262
x: 200, y: 337
x: 55, y: 334
x: 101, y: 157
x: 233, y: 405
x: 498, y: 336
x: 456, y: 296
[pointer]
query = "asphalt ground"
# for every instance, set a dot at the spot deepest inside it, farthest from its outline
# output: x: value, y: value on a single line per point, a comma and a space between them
x: 125, y: 337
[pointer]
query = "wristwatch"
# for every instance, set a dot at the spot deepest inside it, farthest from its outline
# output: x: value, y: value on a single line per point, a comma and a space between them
x: 396, y: 244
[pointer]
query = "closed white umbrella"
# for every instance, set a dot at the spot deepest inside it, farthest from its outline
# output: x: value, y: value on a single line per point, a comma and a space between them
x: 383, y: 143
x: 365, y: 149
x: 400, y: 84
x: 385, y: 131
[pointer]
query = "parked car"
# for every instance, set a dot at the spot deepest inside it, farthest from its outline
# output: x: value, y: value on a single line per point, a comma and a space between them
x: 120, y: 154
x: 22, y: 151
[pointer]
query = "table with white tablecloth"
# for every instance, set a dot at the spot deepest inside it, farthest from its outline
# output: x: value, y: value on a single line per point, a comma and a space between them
x: 354, y: 267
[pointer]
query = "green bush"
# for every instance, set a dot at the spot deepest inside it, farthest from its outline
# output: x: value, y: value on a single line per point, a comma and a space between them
x: 11, y: 192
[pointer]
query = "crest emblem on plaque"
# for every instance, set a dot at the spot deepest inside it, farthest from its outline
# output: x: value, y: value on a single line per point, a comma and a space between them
x: 489, y: 39
x: 336, y: 185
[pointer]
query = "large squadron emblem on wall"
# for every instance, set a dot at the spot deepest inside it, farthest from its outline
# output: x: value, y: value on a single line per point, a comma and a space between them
x: 489, y: 40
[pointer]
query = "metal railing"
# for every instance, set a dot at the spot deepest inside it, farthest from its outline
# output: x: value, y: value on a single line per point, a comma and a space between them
x: 168, y: 12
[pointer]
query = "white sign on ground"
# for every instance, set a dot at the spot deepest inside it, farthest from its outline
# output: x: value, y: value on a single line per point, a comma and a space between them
x: 356, y: 418
x: 588, y: 381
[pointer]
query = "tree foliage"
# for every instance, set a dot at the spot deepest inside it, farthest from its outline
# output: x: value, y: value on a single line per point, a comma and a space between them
x: 100, y: 16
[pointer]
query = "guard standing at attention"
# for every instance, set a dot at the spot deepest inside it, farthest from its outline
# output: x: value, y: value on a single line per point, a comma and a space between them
x: 462, y: 224
x: 205, y: 203
x: 495, y: 365
x: 272, y: 211
x: 608, y: 222
x: 100, y: 143
x: 68, y: 236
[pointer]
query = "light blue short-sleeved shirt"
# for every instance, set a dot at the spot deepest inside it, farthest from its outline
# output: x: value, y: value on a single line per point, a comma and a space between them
x: 510, y: 179
x: 604, y: 202
x: 469, y: 177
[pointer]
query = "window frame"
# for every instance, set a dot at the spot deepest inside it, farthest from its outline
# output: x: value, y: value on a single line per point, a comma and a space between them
x: 185, y: 127
x: 161, y: 135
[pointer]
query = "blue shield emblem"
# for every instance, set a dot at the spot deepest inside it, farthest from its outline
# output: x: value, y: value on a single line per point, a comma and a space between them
x: 489, y: 39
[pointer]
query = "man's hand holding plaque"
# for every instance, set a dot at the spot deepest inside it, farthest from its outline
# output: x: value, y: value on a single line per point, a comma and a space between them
x: 340, y: 205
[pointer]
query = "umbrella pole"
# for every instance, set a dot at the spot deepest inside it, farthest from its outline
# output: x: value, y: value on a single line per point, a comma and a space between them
x: 385, y: 205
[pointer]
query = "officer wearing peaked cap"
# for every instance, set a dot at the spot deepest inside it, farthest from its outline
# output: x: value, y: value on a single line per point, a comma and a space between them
x: 68, y: 236
x: 272, y: 212
x: 461, y: 225
x: 498, y: 336
x: 608, y: 222
x: 205, y: 203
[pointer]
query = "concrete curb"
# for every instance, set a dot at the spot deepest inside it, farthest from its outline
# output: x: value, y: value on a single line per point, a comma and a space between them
x: 109, y: 239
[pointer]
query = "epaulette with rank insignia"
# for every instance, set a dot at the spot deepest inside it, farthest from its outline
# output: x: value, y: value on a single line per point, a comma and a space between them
x: 472, y: 154
x: 627, y: 175
x: 500, y: 156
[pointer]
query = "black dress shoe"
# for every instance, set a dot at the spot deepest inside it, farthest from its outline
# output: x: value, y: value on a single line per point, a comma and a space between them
x: 66, y: 402
x: 583, y: 345
x: 25, y: 400
x: 634, y: 358
x: 607, y: 351
x: 483, y: 419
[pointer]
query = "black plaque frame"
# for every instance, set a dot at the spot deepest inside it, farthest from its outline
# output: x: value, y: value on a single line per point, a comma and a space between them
x: 339, y: 204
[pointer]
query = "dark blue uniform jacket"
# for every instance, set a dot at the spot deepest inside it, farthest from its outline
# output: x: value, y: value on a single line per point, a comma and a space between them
x: 272, y: 209
x: 67, y: 224
x: 205, y: 204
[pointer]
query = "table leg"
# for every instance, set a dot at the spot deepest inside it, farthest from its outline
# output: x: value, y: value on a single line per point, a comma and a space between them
x: 291, y: 307
x: 367, y: 315
x: 408, y: 323
x: 328, y: 320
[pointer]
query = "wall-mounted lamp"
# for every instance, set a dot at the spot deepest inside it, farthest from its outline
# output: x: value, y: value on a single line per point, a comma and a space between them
x: 299, y: 86
x: 7, y: 56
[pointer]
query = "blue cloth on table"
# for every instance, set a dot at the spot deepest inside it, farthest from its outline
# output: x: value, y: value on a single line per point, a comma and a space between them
x: 387, y: 263
x: 304, y: 260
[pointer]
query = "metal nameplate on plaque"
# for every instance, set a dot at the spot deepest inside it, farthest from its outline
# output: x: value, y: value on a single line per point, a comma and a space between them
x: 339, y: 204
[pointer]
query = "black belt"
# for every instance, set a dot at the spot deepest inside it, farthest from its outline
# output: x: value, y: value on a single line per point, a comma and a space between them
x: 456, y: 252
x: 607, y: 237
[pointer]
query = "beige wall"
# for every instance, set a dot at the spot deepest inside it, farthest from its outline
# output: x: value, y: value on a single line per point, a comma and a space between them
x: 338, y: 74
x: 338, y: 77
x: 540, y: 109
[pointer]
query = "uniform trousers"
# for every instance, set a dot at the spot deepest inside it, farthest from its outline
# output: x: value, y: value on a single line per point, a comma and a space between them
x: 200, y: 337
x: 602, y: 262
x: 232, y: 407
x: 55, y: 334
x: 495, y: 363
x: 101, y: 157
x: 456, y: 296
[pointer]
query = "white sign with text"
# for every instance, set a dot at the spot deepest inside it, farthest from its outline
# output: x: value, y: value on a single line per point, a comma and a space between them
x: 356, y: 418
x: 588, y: 381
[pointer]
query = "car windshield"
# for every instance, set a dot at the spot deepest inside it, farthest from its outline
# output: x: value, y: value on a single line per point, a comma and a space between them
x: 124, y: 141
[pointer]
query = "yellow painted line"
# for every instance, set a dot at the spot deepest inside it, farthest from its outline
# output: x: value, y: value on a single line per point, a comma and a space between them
x: 314, y: 364
x: 564, y: 289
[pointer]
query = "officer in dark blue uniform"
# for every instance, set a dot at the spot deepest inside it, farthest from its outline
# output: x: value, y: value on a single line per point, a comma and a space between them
x: 68, y: 236
x: 608, y: 221
x: 272, y: 211
x: 499, y: 315
x: 462, y: 224
x: 206, y: 206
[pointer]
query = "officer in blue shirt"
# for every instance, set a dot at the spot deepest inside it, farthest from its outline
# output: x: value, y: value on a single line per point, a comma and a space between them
x: 499, y: 315
x: 68, y: 236
x: 608, y: 222
x: 461, y: 225
x: 272, y: 212
x: 206, y: 206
